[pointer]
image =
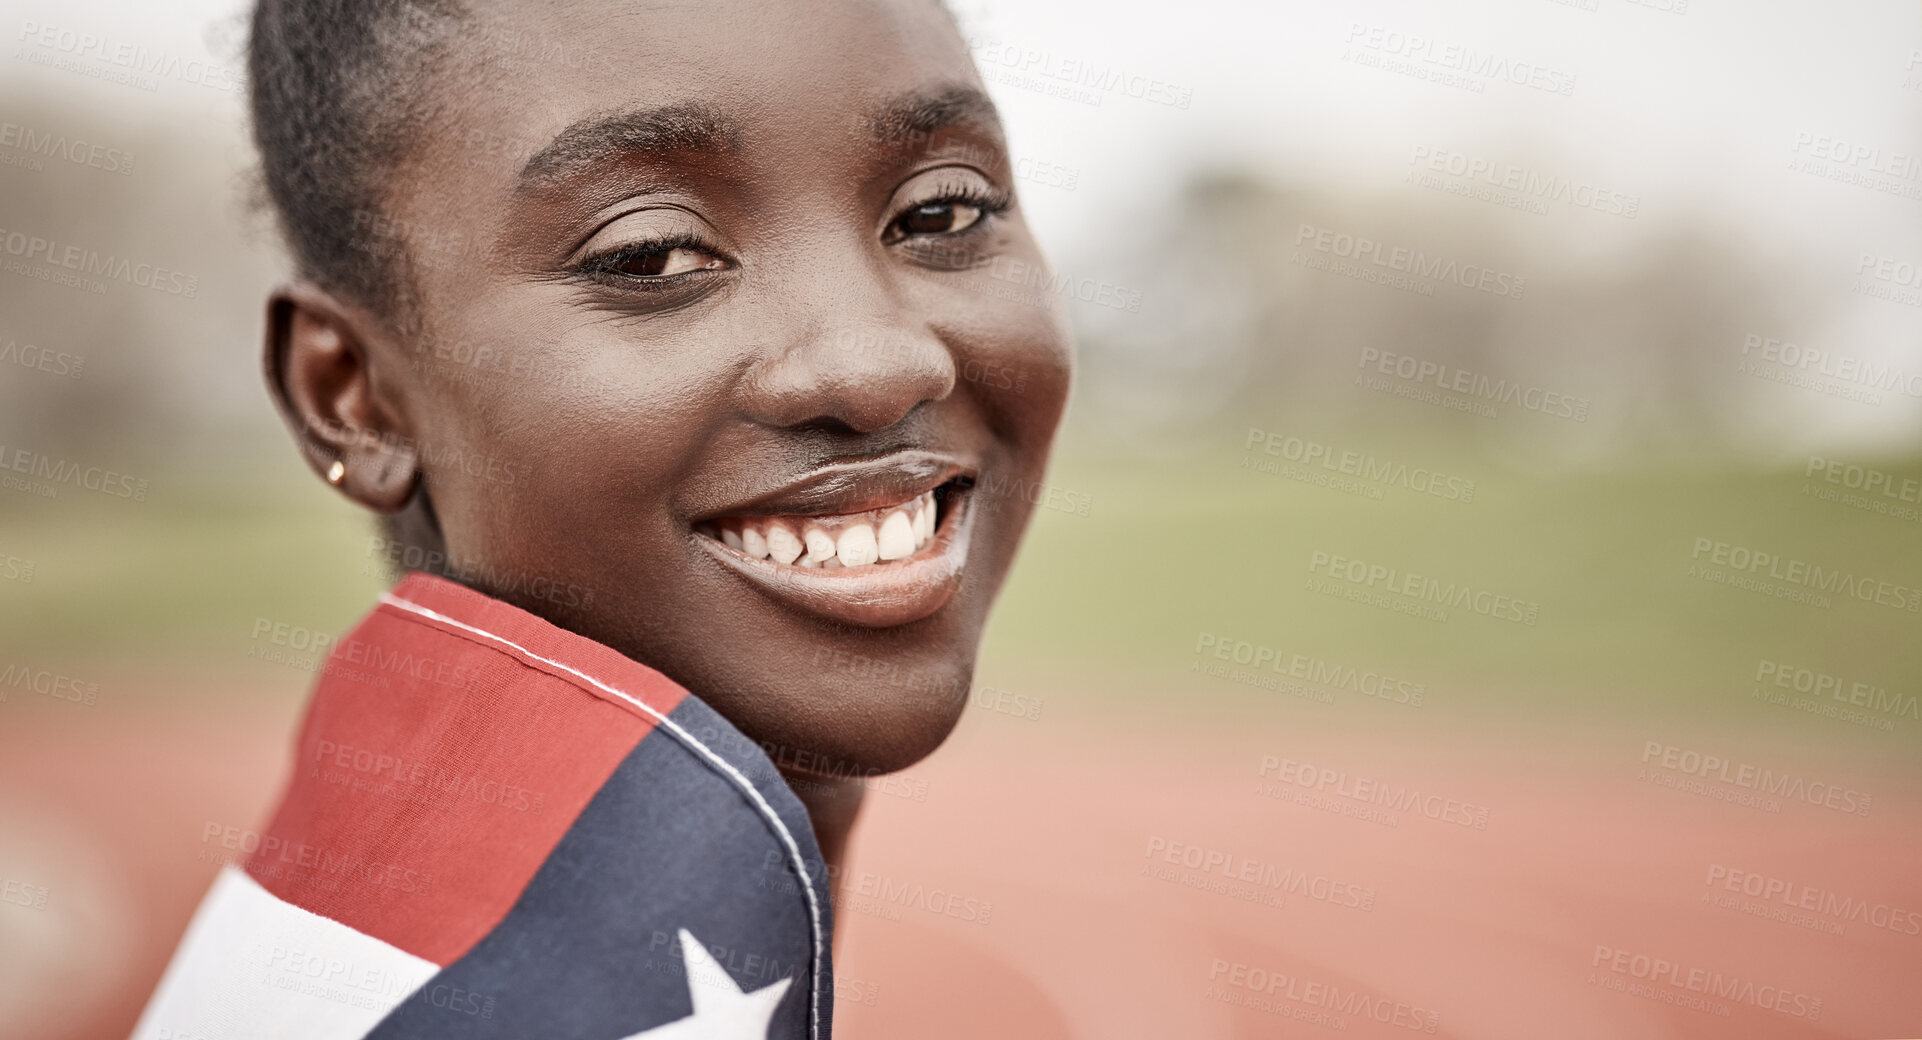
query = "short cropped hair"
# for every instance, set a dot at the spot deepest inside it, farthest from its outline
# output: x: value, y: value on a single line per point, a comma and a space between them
x: 338, y: 89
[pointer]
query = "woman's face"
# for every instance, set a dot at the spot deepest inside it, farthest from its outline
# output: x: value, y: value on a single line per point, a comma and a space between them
x: 730, y: 352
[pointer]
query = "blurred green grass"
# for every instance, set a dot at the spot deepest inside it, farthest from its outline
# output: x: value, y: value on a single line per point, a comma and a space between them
x: 182, y: 576
x: 1171, y: 548
x: 1199, y: 545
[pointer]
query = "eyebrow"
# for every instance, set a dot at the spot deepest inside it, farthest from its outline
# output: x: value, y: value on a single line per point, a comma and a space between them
x: 588, y: 142
x: 908, y: 118
x: 918, y: 114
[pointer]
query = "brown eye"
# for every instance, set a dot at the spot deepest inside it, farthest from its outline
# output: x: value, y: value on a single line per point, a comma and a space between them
x: 938, y: 218
x: 656, y: 263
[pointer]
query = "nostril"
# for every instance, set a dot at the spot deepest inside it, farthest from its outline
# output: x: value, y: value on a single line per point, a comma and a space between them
x: 856, y: 418
x: 851, y: 377
x: 826, y: 424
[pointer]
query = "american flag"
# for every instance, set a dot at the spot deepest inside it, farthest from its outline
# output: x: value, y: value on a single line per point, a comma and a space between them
x: 498, y: 828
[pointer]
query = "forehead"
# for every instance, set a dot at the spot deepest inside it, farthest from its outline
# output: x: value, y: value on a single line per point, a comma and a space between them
x: 524, y: 73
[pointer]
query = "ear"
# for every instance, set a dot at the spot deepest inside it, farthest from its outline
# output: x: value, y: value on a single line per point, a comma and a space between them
x: 322, y: 376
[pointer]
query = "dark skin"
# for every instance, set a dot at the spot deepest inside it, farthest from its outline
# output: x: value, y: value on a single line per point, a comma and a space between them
x: 736, y: 258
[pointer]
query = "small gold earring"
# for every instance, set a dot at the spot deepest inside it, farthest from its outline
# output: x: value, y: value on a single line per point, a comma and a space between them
x: 336, y: 472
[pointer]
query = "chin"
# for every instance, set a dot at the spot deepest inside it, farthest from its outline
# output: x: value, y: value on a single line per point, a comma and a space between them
x: 857, y: 711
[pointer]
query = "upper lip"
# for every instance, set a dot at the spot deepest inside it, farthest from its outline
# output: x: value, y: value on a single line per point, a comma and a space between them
x: 853, y: 486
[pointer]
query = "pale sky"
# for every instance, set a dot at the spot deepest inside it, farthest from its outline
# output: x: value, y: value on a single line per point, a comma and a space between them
x: 1694, y: 112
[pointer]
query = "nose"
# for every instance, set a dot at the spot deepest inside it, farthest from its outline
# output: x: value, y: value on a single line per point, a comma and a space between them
x: 853, y: 355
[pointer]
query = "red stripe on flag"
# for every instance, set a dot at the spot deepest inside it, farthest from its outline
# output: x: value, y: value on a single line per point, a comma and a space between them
x: 436, y: 769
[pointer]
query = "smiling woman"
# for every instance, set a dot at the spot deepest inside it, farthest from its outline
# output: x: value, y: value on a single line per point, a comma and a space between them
x: 737, y: 254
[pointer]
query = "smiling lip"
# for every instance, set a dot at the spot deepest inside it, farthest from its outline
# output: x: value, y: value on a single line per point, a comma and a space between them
x: 922, y: 568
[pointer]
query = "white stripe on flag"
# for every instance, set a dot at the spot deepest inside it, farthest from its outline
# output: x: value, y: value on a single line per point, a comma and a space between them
x: 252, y: 966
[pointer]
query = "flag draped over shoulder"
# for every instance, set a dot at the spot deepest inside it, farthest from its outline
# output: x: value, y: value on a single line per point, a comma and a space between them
x: 498, y: 828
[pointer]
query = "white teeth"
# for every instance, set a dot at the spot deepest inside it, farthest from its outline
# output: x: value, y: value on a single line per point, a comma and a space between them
x: 853, y: 540
x: 897, y: 536
x: 753, y: 544
x: 820, y: 545
x: 856, y: 546
x: 782, y: 545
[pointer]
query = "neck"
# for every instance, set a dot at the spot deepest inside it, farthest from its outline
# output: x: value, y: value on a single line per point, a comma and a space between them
x: 832, y: 805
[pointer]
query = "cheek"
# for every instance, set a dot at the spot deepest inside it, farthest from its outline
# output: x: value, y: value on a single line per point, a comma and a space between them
x: 1017, y: 358
x: 582, y: 439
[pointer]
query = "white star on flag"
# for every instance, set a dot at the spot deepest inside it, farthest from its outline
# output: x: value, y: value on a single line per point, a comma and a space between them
x: 721, y: 1010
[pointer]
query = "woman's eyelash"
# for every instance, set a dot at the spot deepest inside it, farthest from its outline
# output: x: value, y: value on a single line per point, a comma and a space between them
x: 990, y: 201
x: 608, y: 264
